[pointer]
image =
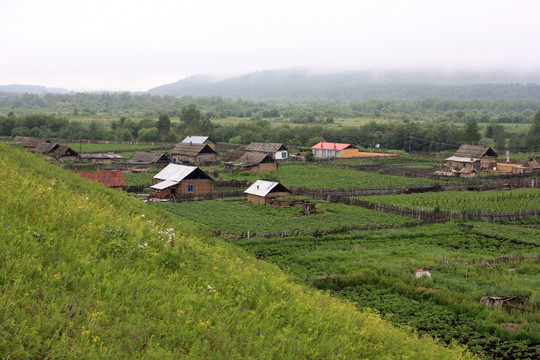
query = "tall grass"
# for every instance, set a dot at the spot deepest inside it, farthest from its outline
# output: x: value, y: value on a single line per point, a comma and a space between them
x: 87, y: 272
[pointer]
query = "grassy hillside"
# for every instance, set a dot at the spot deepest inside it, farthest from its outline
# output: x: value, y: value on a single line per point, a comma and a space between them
x: 89, y: 272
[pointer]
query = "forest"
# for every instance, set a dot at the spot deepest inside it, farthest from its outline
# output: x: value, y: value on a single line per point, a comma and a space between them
x: 429, y: 124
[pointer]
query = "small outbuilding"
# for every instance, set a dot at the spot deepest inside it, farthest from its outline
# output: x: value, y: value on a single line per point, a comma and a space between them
x: 262, y: 191
x: 181, y: 180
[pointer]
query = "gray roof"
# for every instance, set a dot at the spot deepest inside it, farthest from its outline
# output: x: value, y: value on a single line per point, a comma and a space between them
x: 100, y: 156
x: 265, y: 147
x: 462, y: 159
x: 247, y: 158
x: 196, y: 139
x: 263, y: 188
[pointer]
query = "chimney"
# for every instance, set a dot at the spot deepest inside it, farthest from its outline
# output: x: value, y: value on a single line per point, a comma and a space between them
x: 334, y: 145
x: 191, y: 143
x: 257, y: 187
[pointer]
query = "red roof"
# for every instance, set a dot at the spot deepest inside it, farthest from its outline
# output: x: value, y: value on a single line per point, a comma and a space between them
x: 330, y: 146
x: 114, y: 178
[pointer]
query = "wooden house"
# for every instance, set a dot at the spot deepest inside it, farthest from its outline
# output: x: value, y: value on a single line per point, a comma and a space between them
x: 467, y: 172
x: 277, y: 151
x: 114, y: 178
x: 181, y: 180
x: 200, y: 140
x: 146, y: 158
x: 263, y: 191
x: 190, y: 153
x: 43, y: 146
x: 249, y: 161
x: 478, y: 157
x: 324, y: 150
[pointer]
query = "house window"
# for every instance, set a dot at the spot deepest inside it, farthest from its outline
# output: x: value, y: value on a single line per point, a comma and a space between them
x: 179, y: 159
x: 337, y: 153
x: 316, y: 152
x: 283, y: 154
x: 324, y: 153
x: 200, y: 159
x: 190, y: 188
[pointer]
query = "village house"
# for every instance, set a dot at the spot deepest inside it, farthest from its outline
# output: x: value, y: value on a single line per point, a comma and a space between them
x: 200, y: 140
x: 263, y: 191
x: 54, y: 150
x: 277, y: 151
x: 325, y: 150
x: 249, y: 161
x: 113, y: 179
x: 477, y: 157
x: 101, y: 158
x: 146, y: 158
x: 193, y: 153
x: 181, y: 180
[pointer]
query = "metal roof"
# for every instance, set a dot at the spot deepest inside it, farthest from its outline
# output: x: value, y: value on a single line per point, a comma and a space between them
x: 164, y: 184
x: 175, y: 172
x: 462, y: 159
x: 196, y: 139
x: 332, y: 146
x: 263, y: 188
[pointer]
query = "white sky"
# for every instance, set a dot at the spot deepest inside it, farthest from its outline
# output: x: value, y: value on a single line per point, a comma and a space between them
x: 135, y: 45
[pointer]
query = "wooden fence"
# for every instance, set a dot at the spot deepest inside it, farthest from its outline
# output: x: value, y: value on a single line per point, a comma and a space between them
x: 211, y: 196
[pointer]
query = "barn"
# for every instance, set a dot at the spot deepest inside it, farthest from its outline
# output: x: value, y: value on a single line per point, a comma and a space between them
x: 262, y: 191
x: 181, y: 180
x: 478, y: 157
x: 147, y: 158
x: 250, y: 161
x: 324, y: 150
x: 193, y: 153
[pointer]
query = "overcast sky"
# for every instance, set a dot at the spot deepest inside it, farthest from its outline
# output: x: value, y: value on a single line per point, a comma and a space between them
x: 135, y: 45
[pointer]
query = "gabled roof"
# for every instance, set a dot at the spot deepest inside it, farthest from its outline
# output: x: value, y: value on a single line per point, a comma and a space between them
x: 147, y: 157
x: 247, y: 158
x: 114, y: 178
x: 62, y: 150
x: 474, y: 151
x: 265, y: 147
x: 332, y: 146
x: 190, y: 149
x: 197, y: 139
x: 173, y: 174
x: 462, y: 159
x: 263, y: 188
x: 30, y: 142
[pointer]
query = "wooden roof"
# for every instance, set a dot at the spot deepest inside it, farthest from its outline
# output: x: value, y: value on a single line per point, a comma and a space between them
x: 248, y: 159
x: 30, y: 142
x: 474, y: 151
x: 114, y: 178
x: 190, y: 149
x: 265, y: 147
x: 147, y: 157
x: 62, y: 150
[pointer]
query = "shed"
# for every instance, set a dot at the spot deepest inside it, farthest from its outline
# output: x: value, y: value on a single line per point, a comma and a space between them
x: 192, y: 153
x: 479, y: 157
x: 181, y: 180
x: 251, y: 161
x: 277, y: 151
x: 324, y: 150
x: 100, y: 157
x: 114, y: 178
x: 262, y: 191
x: 147, y: 158
x: 467, y: 173
x: 200, y: 140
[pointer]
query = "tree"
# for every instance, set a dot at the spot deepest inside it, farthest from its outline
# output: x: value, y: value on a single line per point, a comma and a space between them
x: 533, y: 137
x: 190, y: 115
x: 164, y: 126
x: 471, y: 134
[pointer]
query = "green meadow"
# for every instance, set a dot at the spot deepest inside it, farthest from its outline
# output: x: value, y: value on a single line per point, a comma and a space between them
x: 89, y: 272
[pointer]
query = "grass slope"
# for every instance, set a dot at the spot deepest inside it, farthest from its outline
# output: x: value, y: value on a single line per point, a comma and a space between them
x: 89, y: 272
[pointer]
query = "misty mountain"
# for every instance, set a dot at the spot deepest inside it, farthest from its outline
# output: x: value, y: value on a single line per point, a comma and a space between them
x: 300, y: 85
x: 32, y: 89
